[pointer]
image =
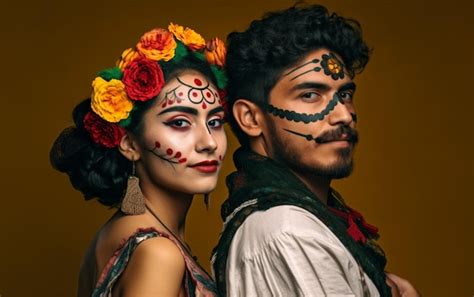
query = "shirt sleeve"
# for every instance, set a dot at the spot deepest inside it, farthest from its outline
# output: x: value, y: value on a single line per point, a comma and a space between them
x: 294, y: 260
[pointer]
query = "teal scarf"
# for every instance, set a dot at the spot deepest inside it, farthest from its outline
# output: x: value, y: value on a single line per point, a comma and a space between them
x: 261, y: 183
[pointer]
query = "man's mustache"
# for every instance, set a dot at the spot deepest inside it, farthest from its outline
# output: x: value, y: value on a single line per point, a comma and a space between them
x: 342, y: 133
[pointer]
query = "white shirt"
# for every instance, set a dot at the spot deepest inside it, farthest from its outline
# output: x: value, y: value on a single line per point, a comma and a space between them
x: 287, y: 251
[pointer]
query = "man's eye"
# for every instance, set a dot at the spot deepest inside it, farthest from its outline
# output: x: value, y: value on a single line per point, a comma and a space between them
x: 346, y: 96
x: 310, y: 96
x: 178, y: 123
x: 216, y: 123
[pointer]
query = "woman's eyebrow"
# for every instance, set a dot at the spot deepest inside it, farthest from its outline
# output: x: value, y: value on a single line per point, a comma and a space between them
x: 215, y: 110
x: 185, y: 109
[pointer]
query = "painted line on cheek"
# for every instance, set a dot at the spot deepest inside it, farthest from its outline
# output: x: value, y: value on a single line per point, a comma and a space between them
x: 291, y: 115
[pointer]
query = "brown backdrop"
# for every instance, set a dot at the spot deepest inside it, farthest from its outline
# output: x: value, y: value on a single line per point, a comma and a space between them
x: 414, y: 163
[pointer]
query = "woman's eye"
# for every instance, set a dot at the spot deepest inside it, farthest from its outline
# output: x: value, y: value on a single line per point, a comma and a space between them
x: 178, y: 123
x: 215, y: 123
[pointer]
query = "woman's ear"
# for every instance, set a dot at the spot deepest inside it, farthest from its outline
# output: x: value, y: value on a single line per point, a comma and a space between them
x: 249, y: 117
x: 128, y: 147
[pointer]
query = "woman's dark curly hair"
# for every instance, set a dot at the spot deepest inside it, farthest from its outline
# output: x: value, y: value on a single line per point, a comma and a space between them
x: 100, y: 172
x: 257, y: 57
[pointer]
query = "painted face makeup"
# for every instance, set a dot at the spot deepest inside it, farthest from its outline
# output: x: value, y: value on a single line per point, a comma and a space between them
x: 184, y: 138
x: 332, y: 67
x: 312, y: 117
x: 198, y: 91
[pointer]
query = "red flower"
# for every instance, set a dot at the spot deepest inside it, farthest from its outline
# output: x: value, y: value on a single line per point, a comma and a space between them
x: 143, y: 79
x: 101, y: 131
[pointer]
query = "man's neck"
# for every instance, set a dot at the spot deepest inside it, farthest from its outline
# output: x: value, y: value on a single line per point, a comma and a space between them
x: 318, y: 185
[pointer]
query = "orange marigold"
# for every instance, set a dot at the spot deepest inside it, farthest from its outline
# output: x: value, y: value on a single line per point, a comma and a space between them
x: 157, y: 44
x: 216, y: 52
x: 188, y: 36
x: 127, y: 56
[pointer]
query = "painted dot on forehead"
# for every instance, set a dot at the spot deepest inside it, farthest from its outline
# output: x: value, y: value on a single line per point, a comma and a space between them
x: 169, y: 151
x: 198, y: 82
x: 195, y: 94
x: 180, y: 94
x: 157, y: 144
x: 208, y: 94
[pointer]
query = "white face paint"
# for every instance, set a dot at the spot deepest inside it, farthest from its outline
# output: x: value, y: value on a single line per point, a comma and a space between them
x: 183, y: 139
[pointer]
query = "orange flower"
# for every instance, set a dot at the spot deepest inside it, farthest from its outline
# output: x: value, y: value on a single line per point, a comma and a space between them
x: 127, y: 56
x: 109, y: 100
x: 188, y: 36
x: 157, y: 44
x: 215, y: 52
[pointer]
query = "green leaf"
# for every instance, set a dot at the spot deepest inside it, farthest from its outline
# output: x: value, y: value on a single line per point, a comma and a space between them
x: 111, y: 73
x: 180, y: 52
x: 221, y: 78
x: 200, y: 56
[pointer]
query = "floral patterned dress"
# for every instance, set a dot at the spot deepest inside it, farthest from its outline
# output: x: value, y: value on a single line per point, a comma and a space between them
x: 196, y: 281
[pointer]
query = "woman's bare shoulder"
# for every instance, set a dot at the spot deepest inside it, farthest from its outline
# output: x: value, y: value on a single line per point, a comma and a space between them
x: 156, y: 268
x: 115, y: 233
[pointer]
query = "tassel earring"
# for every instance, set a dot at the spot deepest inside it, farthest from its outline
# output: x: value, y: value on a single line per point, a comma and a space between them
x: 133, y: 203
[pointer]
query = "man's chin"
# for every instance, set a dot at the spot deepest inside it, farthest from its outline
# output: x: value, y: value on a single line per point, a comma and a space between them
x: 335, y: 171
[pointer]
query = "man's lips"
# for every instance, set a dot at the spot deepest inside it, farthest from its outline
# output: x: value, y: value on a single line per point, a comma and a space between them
x: 208, y: 166
x: 344, y: 138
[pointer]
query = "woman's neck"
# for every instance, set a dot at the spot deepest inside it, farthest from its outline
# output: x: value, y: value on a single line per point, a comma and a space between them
x: 171, y: 207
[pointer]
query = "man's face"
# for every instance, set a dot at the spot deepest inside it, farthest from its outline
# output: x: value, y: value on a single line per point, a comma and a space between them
x: 311, y: 117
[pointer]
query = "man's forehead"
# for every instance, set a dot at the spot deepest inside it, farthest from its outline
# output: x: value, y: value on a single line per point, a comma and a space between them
x: 320, y: 65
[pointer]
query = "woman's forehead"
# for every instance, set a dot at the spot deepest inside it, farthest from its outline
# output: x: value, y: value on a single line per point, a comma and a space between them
x: 189, y: 88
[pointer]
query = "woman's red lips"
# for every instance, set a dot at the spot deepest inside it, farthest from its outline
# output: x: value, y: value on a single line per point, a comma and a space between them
x: 206, y: 166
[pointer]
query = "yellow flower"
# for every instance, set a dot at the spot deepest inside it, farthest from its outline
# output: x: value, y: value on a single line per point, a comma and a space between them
x: 215, y: 52
x: 187, y: 36
x: 128, y: 56
x: 109, y: 100
x: 157, y: 44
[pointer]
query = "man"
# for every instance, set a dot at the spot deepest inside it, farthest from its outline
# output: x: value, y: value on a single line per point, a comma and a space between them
x: 286, y: 231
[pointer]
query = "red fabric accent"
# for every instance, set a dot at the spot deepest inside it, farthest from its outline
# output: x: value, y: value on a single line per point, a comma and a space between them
x: 353, y: 230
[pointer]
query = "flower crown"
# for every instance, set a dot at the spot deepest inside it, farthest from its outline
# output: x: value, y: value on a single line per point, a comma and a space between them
x: 139, y: 77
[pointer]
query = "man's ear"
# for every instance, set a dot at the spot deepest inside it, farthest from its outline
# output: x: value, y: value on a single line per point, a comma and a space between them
x: 249, y: 117
x: 129, y: 147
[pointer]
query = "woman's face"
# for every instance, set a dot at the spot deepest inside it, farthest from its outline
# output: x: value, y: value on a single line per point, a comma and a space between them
x: 183, y: 139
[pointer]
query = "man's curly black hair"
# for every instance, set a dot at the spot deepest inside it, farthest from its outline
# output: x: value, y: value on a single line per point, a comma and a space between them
x: 257, y: 57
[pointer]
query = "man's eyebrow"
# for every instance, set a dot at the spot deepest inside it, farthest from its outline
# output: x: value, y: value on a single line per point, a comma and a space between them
x: 185, y: 109
x: 348, y: 86
x: 310, y: 85
x: 215, y: 110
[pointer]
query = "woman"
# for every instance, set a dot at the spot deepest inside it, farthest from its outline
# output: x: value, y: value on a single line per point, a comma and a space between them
x: 148, y: 140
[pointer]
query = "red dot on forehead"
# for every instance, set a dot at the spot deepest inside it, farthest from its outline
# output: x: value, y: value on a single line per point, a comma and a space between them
x: 208, y: 94
x: 195, y: 94
x: 180, y: 94
x: 198, y: 82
